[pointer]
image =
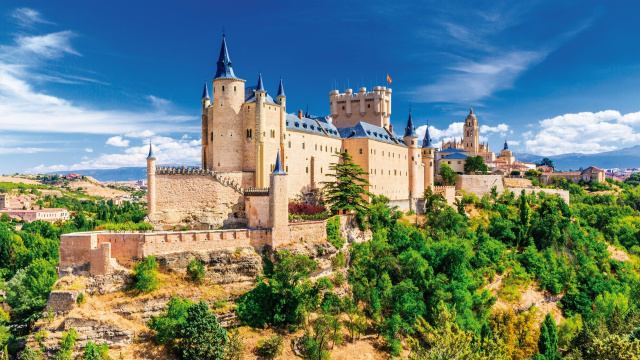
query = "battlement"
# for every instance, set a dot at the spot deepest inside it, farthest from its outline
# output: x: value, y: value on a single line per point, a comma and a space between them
x: 373, y: 107
x: 197, y: 170
x: 262, y: 191
x: 449, y: 193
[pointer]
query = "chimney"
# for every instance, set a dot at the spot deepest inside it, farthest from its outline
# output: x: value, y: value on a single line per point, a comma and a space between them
x: 391, y: 128
x: 299, y: 114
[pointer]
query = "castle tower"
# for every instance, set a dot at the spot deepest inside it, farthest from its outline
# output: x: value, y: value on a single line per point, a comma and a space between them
x: 151, y: 182
x: 206, y: 102
x: 428, y: 155
x: 260, y: 94
x: 471, y: 135
x: 4, y: 201
x: 411, y: 140
x: 506, y: 154
x: 224, y: 150
x: 282, y: 101
x: 349, y: 109
x: 278, y: 205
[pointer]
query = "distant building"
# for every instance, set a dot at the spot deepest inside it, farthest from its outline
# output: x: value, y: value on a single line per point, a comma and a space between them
x: 589, y: 174
x: 50, y: 215
x: 73, y: 176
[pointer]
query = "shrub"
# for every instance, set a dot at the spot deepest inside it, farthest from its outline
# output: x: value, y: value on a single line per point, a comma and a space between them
x: 81, y: 299
x: 93, y: 351
x: 201, y: 336
x: 338, y: 278
x: 271, y: 347
x: 30, y: 353
x: 333, y: 232
x: 195, y: 269
x: 67, y: 345
x: 515, y: 173
x: 145, y: 275
x: 635, y: 250
x: 301, y: 208
x: 236, y: 346
x: 339, y: 260
x: 532, y: 172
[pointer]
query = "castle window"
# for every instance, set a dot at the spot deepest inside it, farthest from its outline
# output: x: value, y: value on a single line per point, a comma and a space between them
x: 303, y: 145
x: 412, y: 158
x: 343, y: 108
x: 286, y: 168
x: 212, y: 136
x: 368, y: 106
x: 234, y: 88
x: 382, y: 153
x: 320, y: 170
x: 272, y: 167
x: 394, y: 172
x: 411, y: 142
x: 222, y: 88
x: 289, y: 144
x: 307, y: 169
x: 249, y: 133
x: 360, y: 151
x: 449, y: 162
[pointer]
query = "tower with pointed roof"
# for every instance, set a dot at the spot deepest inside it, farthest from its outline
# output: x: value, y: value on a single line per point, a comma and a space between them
x: 278, y: 205
x: 260, y: 95
x: 151, y: 182
x: 223, y: 133
x: 410, y: 139
x: 471, y: 135
x: 282, y: 101
x: 428, y: 157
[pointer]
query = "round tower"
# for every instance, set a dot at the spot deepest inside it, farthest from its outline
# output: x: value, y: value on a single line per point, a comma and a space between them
x: 260, y: 94
x: 282, y: 101
x: 225, y: 125
x: 278, y: 205
x: 411, y: 140
x: 428, y: 156
x: 471, y: 135
x: 151, y: 182
x: 206, y: 102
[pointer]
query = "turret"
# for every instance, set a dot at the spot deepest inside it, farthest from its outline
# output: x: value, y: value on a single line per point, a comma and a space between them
x: 506, y: 146
x: 151, y: 182
x: 260, y: 95
x: 428, y: 156
x: 206, y: 102
x: 282, y: 101
x: 471, y: 135
x: 411, y: 140
x: 278, y: 205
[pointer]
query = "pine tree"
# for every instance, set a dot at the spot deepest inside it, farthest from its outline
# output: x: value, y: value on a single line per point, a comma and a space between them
x: 348, y: 190
x: 548, y: 340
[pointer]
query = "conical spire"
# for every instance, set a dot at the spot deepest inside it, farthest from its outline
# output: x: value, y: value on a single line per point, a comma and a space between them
x: 410, y: 130
x: 150, y: 156
x: 426, y: 142
x: 307, y: 114
x: 205, y: 92
x: 260, y: 87
x: 280, y: 89
x: 224, y: 70
x: 277, y: 170
x: 506, y: 147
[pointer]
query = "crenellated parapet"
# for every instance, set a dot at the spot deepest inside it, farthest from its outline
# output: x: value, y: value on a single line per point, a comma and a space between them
x: 197, y: 170
x: 261, y: 191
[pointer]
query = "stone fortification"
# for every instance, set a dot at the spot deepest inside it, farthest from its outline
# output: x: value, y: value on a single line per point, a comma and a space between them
x: 564, y: 194
x: 448, y: 192
x: 480, y: 185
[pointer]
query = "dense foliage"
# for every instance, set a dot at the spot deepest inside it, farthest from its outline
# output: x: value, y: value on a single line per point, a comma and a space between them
x: 348, y: 189
x: 145, y: 275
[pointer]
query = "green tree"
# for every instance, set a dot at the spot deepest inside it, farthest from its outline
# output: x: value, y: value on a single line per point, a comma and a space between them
x: 167, y: 324
x: 548, y: 340
x: 200, y: 336
x: 271, y: 347
x: 236, y: 346
x: 349, y: 188
x: 145, y: 275
x: 93, y: 351
x: 546, y: 162
x: 67, y: 345
x: 473, y: 165
x: 448, y: 175
x: 30, y: 353
x: 195, y: 270
x: 28, y: 290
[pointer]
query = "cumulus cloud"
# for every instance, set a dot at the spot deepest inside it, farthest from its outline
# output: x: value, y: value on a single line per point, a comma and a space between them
x: 89, y: 150
x: 20, y: 150
x: 117, y: 141
x: 502, y: 129
x: 584, y: 132
x: 140, y: 134
x: 167, y: 151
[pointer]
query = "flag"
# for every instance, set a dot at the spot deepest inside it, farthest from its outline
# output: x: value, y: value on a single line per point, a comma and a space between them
x: 388, y: 79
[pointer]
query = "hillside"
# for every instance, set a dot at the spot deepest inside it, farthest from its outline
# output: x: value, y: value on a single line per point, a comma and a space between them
x: 623, y: 158
x: 119, y: 174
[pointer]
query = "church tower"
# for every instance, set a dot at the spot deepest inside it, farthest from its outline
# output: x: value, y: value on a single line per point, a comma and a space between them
x: 428, y: 155
x: 411, y: 140
x: 471, y: 135
x: 223, y: 146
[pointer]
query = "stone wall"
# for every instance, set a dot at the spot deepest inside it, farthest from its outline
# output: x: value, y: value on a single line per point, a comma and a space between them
x: 198, y: 201
x: 479, y: 184
x: 312, y: 231
x: 449, y: 193
x: 257, y: 210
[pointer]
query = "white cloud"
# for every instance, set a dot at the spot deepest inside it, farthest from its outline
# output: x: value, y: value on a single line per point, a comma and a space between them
x: 166, y: 150
x: 27, y: 17
x: 140, y: 134
x: 584, y: 132
x: 158, y: 101
x: 117, y: 141
x: 20, y: 150
x: 52, y: 45
x: 453, y: 131
x: 470, y: 81
x: 502, y: 129
x: 89, y: 150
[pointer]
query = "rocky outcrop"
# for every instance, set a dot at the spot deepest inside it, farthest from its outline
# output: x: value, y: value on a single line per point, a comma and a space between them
x: 223, y: 266
x: 62, y: 301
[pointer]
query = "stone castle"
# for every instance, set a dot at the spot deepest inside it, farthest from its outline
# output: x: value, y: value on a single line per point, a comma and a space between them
x: 244, y: 127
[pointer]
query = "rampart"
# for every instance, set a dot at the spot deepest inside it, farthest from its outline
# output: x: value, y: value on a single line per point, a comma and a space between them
x: 480, y: 185
x: 99, y: 249
x: 449, y: 193
x: 564, y: 194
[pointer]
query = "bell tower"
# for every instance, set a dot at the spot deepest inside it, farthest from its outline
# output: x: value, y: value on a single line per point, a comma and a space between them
x: 471, y: 135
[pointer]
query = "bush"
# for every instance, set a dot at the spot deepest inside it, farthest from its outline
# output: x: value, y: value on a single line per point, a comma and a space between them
x: 145, y: 275
x: 302, y: 208
x: 93, y: 351
x: 333, y: 232
x: 195, y: 270
x: 532, y: 172
x: 338, y: 278
x: 271, y: 347
x: 236, y: 346
x: 30, y: 353
x: 339, y: 260
x: 67, y: 345
x: 81, y: 299
x: 515, y: 173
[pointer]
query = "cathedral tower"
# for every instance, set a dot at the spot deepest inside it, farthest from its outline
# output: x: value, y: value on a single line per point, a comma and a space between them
x: 224, y: 143
x: 471, y: 135
x: 415, y: 176
x: 428, y: 155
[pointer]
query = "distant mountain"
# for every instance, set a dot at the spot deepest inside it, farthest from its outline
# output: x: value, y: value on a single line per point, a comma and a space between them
x: 623, y: 158
x: 120, y: 174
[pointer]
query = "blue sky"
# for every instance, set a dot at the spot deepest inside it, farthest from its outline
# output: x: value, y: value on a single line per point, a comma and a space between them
x: 87, y: 84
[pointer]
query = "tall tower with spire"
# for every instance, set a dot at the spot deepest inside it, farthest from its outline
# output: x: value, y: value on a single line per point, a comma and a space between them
x: 471, y: 135
x: 224, y: 144
x: 415, y: 175
x: 282, y: 101
x: 206, y: 102
x: 151, y: 182
x: 261, y: 171
x: 428, y: 156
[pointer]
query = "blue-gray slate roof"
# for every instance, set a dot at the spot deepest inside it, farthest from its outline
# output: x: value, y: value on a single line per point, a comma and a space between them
x: 410, y: 130
x: 364, y: 130
x: 280, y: 89
x: 224, y: 69
x: 426, y: 142
x: 456, y: 156
x: 506, y: 147
x: 277, y: 170
x: 313, y: 125
x: 260, y: 86
x: 150, y: 156
x: 451, y: 150
x: 205, y: 92
x: 249, y: 96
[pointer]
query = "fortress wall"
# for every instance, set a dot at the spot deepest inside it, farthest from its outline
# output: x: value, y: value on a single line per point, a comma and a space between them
x: 246, y: 179
x: 257, y: 211
x: 165, y: 243
x: 564, y: 194
x: 479, y: 184
x: 74, y: 248
x: 403, y: 205
x: 449, y: 193
x: 312, y: 231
